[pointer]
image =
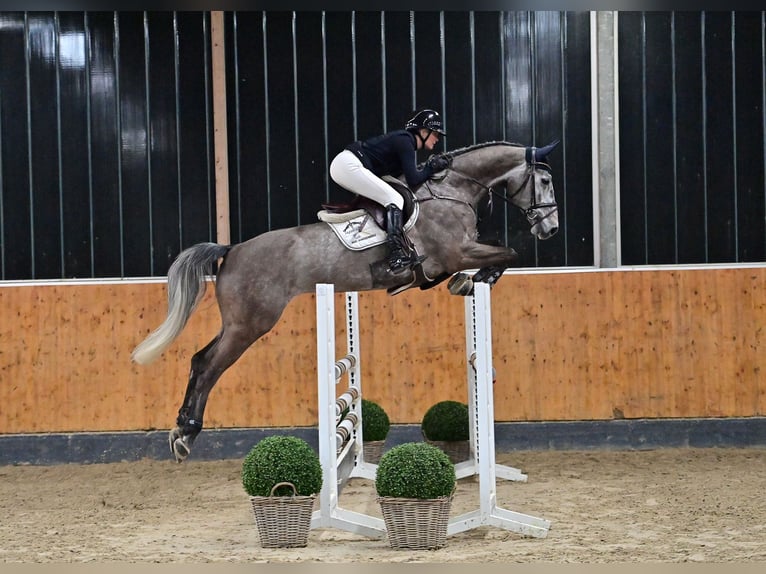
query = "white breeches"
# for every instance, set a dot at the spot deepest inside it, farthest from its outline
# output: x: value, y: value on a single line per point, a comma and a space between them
x: 347, y: 171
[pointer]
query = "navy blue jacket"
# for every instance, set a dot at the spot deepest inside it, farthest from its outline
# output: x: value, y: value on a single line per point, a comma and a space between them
x: 393, y: 153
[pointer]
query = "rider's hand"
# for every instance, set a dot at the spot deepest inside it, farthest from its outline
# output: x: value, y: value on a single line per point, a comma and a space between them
x: 437, y: 163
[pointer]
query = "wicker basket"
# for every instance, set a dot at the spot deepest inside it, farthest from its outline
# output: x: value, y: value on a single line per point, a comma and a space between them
x: 373, y: 450
x: 283, y: 521
x: 456, y: 450
x: 416, y: 523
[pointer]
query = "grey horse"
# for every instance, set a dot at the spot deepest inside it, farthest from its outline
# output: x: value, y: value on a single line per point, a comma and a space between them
x: 257, y: 278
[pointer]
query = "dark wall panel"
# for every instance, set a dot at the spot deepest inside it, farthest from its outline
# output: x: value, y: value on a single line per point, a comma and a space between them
x: 247, y: 126
x: 164, y: 143
x: 429, y: 77
x: 719, y: 137
x: 339, y: 62
x: 517, y: 32
x: 97, y: 106
x: 632, y: 138
x: 195, y: 133
x: 312, y: 155
x: 17, y: 232
x: 459, y: 111
x: 692, y: 137
x: 75, y: 163
x: 489, y: 64
x: 574, y: 183
x: 398, y: 73
x: 281, y: 109
x: 368, y: 51
x: 749, y: 140
x: 43, y: 95
x: 106, y: 149
x: 131, y: 209
x: 690, y: 201
x: 658, y: 120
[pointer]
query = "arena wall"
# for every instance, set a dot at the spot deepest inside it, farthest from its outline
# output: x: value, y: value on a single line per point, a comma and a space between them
x: 581, y: 345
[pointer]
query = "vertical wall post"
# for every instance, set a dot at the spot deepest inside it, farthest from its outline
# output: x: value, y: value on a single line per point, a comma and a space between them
x: 223, y: 231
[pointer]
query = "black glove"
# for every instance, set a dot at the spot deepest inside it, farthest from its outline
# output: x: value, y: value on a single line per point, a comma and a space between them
x: 437, y: 163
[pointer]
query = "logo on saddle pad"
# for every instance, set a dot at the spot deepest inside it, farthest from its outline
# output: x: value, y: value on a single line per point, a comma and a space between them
x: 358, y: 229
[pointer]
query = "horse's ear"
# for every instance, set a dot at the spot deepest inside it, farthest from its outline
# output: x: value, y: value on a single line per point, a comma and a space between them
x: 542, y: 152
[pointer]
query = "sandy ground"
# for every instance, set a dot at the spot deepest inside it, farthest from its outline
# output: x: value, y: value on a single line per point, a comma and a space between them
x: 674, y: 505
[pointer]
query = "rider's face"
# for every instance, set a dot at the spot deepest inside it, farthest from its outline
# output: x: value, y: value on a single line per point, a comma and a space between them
x: 431, y: 140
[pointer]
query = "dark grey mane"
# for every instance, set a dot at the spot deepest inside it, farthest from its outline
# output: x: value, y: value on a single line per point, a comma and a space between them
x: 463, y: 150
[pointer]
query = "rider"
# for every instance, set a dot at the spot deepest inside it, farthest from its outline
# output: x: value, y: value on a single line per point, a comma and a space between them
x: 359, y: 168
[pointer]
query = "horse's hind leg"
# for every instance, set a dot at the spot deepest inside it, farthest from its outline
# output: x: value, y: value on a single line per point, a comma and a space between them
x: 207, y: 366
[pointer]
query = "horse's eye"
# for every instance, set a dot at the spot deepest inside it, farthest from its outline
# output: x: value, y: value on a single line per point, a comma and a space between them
x: 545, y: 180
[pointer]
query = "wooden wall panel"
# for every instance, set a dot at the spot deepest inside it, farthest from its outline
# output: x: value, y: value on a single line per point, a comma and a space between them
x: 567, y: 346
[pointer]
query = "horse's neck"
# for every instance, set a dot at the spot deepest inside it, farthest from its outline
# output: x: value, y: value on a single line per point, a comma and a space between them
x: 490, y: 163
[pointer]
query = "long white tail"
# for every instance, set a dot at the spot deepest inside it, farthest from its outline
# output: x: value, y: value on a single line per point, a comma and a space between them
x: 186, y: 286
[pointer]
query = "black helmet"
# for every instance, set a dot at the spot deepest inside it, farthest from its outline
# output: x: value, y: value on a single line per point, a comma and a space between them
x: 429, y: 119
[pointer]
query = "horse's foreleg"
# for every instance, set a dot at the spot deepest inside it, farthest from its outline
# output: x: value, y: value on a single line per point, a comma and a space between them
x: 478, y: 255
x: 491, y: 260
x: 489, y: 274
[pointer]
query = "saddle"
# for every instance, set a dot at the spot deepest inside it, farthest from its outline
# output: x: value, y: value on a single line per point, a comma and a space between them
x: 376, y: 210
x: 361, y: 224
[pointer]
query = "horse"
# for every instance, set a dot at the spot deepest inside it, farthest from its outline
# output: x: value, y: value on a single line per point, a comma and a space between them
x: 257, y: 278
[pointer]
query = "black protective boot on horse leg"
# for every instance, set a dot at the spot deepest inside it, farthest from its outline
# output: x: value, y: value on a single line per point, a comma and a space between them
x: 402, y: 255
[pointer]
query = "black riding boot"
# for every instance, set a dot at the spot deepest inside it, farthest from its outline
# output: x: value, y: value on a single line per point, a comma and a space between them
x: 402, y: 255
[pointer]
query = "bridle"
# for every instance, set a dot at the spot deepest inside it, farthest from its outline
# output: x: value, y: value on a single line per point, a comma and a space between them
x: 531, y: 213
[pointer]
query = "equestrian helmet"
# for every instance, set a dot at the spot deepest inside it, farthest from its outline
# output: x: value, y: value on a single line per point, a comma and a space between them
x: 429, y: 119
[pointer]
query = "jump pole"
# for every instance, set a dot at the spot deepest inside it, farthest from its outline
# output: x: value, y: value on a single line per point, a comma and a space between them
x: 478, y: 323
x: 341, y: 448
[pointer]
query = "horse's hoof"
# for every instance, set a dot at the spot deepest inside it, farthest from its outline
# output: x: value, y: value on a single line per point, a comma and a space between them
x: 181, y: 450
x: 178, y: 446
x: 460, y: 284
x: 174, y: 435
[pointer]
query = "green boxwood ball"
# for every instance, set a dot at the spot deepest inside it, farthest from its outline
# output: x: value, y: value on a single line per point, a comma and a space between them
x: 281, y: 458
x: 446, y: 421
x: 375, y: 422
x: 415, y: 470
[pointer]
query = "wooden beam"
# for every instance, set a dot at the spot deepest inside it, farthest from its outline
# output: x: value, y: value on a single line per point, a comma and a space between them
x: 223, y: 233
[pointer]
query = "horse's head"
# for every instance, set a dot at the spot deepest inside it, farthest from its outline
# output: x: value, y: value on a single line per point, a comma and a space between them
x: 522, y: 172
x: 534, y: 194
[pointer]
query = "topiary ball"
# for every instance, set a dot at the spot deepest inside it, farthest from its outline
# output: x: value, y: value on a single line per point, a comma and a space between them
x: 278, y: 459
x: 415, y: 470
x: 446, y: 421
x: 375, y: 421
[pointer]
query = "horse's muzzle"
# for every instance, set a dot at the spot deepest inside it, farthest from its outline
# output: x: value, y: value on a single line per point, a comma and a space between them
x: 544, y: 226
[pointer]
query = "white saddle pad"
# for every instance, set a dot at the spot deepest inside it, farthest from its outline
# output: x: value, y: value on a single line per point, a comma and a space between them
x: 358, y: 230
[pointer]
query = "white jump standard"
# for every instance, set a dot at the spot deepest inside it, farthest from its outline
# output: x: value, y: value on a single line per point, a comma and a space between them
x: 478, y: 324
x: 341, y: 449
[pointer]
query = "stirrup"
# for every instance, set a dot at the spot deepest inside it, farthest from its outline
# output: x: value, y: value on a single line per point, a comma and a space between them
x: 400, y: 262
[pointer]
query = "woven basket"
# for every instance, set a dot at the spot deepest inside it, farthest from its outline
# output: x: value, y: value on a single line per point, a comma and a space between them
x: 456, y: 450
x: 416, y: 523
x: 373, y: 450
x: 283, y: 521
